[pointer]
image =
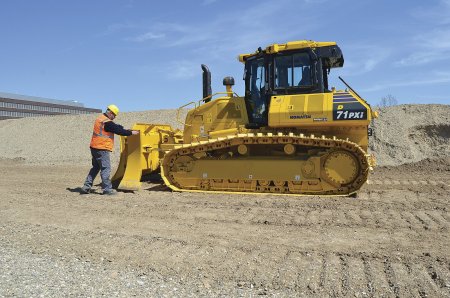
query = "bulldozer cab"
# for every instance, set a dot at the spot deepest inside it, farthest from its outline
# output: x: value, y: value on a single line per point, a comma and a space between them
x: 287, y: 69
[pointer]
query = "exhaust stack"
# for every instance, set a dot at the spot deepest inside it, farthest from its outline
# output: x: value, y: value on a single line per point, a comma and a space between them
x: 207, y: 91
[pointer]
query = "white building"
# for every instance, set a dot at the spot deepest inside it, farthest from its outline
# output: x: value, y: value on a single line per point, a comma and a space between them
x: 19, y: 106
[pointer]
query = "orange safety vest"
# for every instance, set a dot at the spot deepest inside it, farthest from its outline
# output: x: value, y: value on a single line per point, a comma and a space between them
x: 102, y: 139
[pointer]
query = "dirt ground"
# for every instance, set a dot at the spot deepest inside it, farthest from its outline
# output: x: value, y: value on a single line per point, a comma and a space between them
x: 392, y: 240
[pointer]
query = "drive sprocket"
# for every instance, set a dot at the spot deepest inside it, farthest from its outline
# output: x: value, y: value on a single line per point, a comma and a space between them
x: 341, y: 167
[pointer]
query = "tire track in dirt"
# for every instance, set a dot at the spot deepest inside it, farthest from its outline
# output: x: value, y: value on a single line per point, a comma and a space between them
x: 390, y: 241
x: 414, y: 220
x: 369, y: 276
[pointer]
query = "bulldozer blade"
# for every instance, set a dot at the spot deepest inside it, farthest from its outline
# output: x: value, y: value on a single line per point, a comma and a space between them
x: 130, y: 162
x: 140, y: 154
x: 130, y: 185
x: 121, y: 167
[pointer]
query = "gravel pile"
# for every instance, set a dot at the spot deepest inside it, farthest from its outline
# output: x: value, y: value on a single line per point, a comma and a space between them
x: 402, y: 134
x: 65, y: 139
x: 411, y: 133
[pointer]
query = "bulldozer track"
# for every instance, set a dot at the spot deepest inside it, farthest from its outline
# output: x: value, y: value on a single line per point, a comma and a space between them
x: 183, y: 158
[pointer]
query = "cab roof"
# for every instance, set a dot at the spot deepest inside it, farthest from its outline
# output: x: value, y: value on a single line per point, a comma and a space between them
x: 291, y: 45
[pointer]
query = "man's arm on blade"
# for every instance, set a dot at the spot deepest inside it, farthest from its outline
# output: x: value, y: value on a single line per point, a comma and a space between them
x: 117, y: 129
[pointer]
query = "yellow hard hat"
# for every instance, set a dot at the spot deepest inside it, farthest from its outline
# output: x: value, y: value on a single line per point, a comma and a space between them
x: 114, y: 109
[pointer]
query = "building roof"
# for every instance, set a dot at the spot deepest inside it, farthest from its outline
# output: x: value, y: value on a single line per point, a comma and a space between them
x: 73, y: 103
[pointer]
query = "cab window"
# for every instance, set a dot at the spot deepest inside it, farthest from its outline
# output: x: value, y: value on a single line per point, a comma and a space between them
x: 293, y: 71
x: 256, y: 89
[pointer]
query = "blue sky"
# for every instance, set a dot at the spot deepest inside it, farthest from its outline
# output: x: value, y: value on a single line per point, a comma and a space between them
x: 145, y: 55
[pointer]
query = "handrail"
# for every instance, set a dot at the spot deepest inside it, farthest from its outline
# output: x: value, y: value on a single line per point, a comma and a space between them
x: 353, y: 90
x: 217, y: 93
x: 199, y: 103
x: 178, y: 112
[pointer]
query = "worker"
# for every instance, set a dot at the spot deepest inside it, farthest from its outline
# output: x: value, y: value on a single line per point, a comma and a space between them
x: 102, y: 143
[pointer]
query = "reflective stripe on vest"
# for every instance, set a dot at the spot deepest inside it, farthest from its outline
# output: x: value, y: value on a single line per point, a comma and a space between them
x: 101, y: 131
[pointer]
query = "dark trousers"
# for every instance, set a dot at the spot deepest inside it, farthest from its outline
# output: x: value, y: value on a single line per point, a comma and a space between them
x: 100, y: 163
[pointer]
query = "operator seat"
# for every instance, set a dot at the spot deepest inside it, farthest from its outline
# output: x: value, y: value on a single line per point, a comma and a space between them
x: 306, y: 77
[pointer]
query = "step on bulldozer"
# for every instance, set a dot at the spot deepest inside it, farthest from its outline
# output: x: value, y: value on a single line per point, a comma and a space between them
x: 289, y: 134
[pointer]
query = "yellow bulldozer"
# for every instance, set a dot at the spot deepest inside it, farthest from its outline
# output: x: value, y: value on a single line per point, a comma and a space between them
x: 289, y: 134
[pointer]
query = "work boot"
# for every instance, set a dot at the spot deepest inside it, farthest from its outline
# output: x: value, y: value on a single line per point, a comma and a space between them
x: 85, y: 190
x: 111, y: 192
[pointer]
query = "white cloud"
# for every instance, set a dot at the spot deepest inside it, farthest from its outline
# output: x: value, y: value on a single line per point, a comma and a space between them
x: 236, y: 32
x: 182, y: 69
x: 113, y: 28
x: 424, y: 57
x: 208, y: 2
x: 231, y: 32
x: 171, y: 32
x: 226, y: 34
x: 432, y: 46
x: 315, y: 1
x: 436, y: 78
x: 439, y: 14
x: 364, y: 58
x: 371, y: 63
x: 173, y: 70
x: 147, y: 36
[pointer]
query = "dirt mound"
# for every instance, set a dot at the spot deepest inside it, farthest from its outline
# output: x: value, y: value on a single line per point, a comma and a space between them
x: 410, y: 133
x: 402, y: 134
